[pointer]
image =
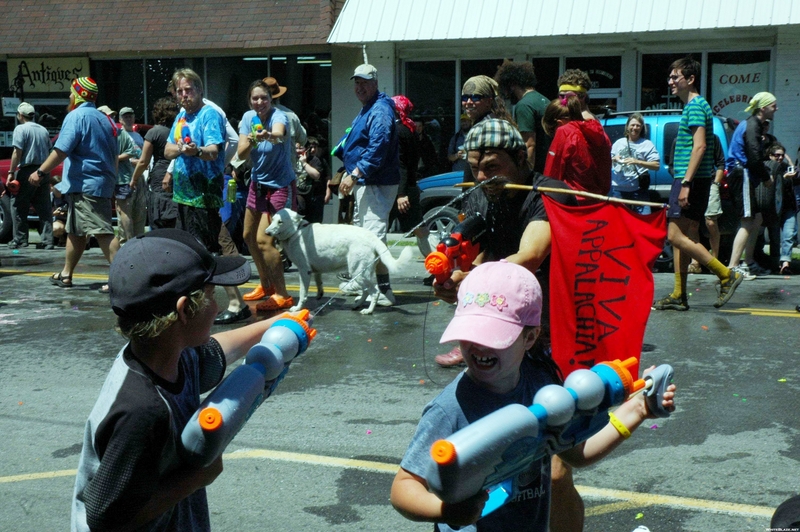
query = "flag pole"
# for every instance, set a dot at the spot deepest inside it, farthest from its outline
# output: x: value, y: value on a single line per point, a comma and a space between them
x: 583, y: 194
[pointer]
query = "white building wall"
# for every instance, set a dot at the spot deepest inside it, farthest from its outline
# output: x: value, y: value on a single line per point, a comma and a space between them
x: 787, y: 89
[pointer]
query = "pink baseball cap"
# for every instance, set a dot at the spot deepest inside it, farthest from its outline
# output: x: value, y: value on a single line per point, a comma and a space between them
x: 495, y: 301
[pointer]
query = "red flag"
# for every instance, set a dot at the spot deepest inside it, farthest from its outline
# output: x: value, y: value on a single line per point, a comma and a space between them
x: 601, y: 283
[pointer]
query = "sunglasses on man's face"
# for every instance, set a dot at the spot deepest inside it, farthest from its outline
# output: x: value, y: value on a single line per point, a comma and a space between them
x: 777, y: 154
x: 474, y: 97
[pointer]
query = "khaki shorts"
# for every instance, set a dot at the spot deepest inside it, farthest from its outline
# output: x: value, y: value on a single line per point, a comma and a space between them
x: 714, y: 204
x: 88, y: 215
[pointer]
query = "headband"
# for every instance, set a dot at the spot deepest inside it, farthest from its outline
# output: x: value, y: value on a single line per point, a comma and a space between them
x: 572, y: 88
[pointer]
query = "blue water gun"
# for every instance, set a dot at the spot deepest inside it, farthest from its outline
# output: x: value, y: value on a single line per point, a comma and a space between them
x: 491, y: 453
x: 226, y: 410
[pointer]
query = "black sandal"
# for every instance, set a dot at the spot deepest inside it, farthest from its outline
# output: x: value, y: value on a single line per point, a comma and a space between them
x: 61, y: 281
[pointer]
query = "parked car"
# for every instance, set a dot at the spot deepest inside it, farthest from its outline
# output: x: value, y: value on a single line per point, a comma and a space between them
x: 661, y: 127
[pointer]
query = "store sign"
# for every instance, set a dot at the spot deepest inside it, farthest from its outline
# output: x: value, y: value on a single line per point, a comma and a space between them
x: 38, y: 74
x: 732, y: 87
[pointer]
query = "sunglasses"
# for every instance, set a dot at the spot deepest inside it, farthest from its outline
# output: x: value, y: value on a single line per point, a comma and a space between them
x: 474, y: 97
x: 777, y: 154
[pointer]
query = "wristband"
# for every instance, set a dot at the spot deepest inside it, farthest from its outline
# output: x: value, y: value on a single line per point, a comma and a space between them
x: 686, y: 183
x: 621, y: 428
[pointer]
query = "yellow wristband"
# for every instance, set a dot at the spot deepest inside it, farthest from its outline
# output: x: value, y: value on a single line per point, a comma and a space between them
x: 621, y: 428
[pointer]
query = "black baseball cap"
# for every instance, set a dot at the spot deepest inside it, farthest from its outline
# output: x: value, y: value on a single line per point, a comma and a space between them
x: 152, y: 271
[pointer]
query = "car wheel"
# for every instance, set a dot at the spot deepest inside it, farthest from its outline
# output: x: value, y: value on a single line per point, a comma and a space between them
x: 440, y: 221
x: 6, y: 222
x: 665, y: 261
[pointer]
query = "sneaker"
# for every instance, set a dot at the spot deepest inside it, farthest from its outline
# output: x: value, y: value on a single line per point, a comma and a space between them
x: 757, y: 270
x: 450, y: 359
x: 16, y: 245
x: 344, y: 276
x: 350, y: 288
x: 744, y: 271
x: 671, y: 303
x: 727, y: 289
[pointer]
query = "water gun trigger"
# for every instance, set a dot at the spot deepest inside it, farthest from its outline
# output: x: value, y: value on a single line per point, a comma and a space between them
x: 657, y: 382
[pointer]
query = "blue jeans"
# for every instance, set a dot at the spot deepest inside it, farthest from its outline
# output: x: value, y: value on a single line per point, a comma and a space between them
x: 788, y: 234
x: 638, y: 195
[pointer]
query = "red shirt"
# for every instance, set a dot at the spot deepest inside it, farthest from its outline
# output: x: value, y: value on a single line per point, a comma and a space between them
x: 580, y: 156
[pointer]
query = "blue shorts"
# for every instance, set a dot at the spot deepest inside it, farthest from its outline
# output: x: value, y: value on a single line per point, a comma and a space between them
x: 698, y: 200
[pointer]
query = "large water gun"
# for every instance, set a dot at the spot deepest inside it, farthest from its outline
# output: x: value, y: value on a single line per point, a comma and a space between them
x: 458, y: 250
x: 490, y: 453
x: 225, y: 411
x: 340, y: 145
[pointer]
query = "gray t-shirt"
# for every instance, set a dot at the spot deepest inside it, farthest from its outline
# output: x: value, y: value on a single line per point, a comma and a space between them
x: 463, y: 402
x: 34, y: 141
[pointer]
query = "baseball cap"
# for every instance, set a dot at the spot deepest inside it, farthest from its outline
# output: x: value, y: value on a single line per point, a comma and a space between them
x: 126, y: 111
x: 26, y: 109
x: 106, y: 110
x: 365, y: 71
x: 152, y: 271
x: 495, y: 301
x: 493, y: 133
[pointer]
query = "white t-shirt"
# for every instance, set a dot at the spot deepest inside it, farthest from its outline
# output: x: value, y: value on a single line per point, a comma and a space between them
x: 624, y: 177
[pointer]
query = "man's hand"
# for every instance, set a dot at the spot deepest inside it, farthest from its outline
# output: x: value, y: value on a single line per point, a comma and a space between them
x: 403, y: 204
x: 683, y: 197
x: 466, y: 512
x: 34, y: 179
x: 347, y: 184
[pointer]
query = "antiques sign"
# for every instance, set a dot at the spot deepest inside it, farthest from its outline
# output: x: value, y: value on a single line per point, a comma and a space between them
x: 38, y: 74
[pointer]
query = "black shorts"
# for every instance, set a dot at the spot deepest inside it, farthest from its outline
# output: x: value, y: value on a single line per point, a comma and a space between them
x: 742, y: 190
x: 698, y: 200
x: 203, y: 224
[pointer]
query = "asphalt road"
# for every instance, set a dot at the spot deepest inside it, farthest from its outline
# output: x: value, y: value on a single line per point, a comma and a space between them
x: 321, y: 453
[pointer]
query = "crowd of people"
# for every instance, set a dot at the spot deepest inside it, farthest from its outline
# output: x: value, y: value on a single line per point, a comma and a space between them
x: 206, y: 181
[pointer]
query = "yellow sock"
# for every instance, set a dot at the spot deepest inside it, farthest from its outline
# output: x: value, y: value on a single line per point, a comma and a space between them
x: 680, y: 285
x: 719, y: 269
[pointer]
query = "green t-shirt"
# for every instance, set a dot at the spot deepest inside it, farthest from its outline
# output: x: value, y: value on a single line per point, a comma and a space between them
x: 528, y: 114
x: 696, y: 113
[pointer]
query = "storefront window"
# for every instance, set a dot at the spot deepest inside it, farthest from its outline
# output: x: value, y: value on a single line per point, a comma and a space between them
x: 159, y: 73
x: 547, y: 72
x: 430, y: 87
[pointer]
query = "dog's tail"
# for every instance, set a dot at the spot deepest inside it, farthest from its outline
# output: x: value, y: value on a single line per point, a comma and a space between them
x: 390, y: 262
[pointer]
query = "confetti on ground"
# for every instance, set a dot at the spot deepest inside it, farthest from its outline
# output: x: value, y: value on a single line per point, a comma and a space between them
x: 20, y: 403
x: 435, y: 303
x: 338, y: 337
x: 422, y: 381
x: 696, y: 289
x: 639, y: 515
x: 704, y: 327
x: 369, y: 339
x: 386, y: 347
x: 369, y: 431
x: 653, y: 426
x: 736, y: 395
x: 781, y: 380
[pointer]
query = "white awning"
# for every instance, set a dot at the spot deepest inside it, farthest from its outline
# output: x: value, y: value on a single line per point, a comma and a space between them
x: 366, y: 21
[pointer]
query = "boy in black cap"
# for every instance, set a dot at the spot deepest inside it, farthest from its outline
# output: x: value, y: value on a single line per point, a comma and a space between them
x: 130, y: 472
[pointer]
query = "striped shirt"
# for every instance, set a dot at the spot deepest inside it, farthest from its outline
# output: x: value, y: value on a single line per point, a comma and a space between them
x: 696, y: 113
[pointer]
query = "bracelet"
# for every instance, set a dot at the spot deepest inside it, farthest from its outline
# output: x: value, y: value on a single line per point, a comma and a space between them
x: 619, y: 425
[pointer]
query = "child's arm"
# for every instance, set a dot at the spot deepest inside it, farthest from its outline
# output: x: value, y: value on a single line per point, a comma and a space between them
x: 236, y: 342
x: 172, y: 490
x: 410, y: 497
x: 631, y: 414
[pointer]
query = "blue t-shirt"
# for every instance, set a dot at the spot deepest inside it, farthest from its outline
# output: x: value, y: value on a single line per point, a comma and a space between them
x: 89, y: 139
x: 272, y: 163
x: 463, y: 402
x: 198, y: 182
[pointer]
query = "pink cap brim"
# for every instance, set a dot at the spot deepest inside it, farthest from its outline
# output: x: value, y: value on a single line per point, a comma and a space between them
x: 483, y: 330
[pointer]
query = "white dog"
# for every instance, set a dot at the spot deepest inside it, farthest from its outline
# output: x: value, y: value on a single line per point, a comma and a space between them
x: 318, y: 248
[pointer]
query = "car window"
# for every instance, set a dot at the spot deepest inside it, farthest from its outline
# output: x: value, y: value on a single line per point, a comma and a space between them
x: 615, y: 132
x: 670, y: 132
